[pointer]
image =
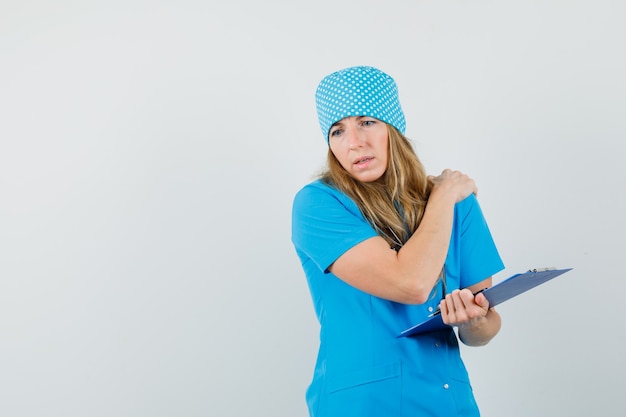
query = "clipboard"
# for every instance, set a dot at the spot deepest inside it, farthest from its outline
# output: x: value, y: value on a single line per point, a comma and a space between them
x: 497, y: 294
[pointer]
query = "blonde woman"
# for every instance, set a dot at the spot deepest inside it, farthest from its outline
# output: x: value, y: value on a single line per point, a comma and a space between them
x: 382, y: 246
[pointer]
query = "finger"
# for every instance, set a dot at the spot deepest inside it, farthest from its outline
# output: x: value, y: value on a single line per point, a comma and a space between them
x: 460, y: 306
x: 446, y: 307
x: 443, y: 308
x: 446, y: 172
x: 475, y: 306
x: 482, y: 301
x: 467, y: 296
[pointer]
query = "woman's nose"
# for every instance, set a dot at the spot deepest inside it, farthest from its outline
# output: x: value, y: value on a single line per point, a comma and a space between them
x: 355, y: 137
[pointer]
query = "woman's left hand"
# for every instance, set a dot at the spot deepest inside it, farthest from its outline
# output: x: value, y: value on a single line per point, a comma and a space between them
x: 477, y: 323
x: 464, y: 309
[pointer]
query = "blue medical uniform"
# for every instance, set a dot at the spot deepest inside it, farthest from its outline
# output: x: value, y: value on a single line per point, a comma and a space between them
x: 363, y: 368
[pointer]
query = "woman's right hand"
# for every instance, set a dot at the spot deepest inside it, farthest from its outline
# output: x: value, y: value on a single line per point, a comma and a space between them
x: 456, y: 183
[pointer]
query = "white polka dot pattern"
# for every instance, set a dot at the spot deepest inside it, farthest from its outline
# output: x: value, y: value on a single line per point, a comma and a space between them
x: 358, y: 91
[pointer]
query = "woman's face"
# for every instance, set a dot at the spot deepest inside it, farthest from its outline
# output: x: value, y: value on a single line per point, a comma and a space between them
x: 360, y: 145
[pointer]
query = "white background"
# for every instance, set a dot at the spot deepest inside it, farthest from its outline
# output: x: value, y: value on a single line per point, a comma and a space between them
x: 150, y: 151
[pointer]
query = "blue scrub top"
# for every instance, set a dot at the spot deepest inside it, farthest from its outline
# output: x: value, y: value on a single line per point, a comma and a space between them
x: 363, y: 368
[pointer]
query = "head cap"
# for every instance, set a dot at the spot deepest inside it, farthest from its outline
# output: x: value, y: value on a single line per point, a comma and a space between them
x: 358, y: 91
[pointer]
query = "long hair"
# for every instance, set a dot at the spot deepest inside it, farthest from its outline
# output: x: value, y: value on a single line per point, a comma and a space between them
x: 395, y: 203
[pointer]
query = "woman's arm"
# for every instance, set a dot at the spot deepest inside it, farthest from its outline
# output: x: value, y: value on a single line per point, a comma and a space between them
x: 408, y: 276
x: 477, y: 323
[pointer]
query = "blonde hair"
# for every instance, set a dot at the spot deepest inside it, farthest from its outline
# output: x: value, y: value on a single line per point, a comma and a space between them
x: 395, y: 203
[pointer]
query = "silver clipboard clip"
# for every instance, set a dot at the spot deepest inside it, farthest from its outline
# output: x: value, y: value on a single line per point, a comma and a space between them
x: 548, y: 268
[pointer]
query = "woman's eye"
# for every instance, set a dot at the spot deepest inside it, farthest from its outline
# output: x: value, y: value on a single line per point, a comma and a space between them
x: 368, y: 122
x: 335, y: 132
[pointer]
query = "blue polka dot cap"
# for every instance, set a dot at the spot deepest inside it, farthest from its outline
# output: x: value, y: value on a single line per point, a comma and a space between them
x: 358, y: 91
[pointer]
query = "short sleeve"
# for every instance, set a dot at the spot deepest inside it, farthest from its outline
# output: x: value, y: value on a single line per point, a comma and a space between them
x: 479, y: 257
x: 325, y: 224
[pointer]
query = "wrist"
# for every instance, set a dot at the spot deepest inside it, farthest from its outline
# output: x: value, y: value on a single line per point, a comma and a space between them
x: 480, y: 332
x: 443, y: 194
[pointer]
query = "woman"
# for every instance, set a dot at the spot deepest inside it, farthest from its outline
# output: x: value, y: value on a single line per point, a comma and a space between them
x: 383, y: 246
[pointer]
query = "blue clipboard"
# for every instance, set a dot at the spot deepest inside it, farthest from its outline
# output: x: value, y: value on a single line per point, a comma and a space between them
x: 497, y: 294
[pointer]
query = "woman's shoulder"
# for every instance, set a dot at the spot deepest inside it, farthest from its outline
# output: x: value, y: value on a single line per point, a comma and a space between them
x: 317, y: 189
x: 319, y: 195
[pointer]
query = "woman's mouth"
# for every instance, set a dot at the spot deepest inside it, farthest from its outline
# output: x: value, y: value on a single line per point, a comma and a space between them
x: 361, y: 162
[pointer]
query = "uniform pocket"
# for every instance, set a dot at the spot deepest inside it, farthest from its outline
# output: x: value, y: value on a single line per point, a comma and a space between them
x: 463, y: 396
x: 372, y: 391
